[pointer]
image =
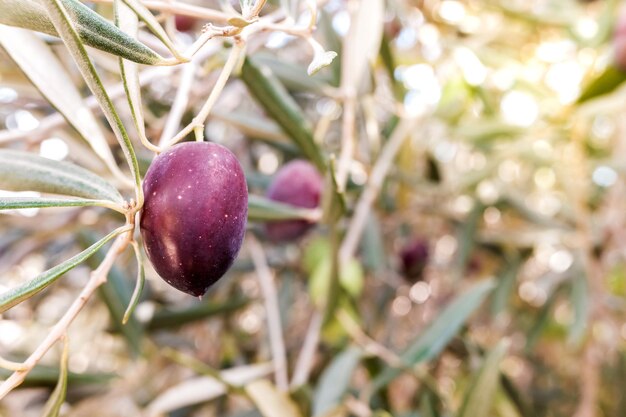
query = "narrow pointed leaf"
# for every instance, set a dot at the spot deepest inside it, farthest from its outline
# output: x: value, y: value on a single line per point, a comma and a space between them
x: 467, y: 241
x: 605, y: 83
x: 93, y: 29
x: 279, y: 105
x: 13, y: 203
x: 253, y: 126
x: 23, y: 171
x: 246, y: 6
x: 141, y: 279
x: 579, y: 299
x: 263, y: 209
x: 165, y: 318
x: 362, y: 43
x: 435, y: 338
x: 203, y: 389
x: 45, y: 71
x: 293, y: 76
x: 153, y: 24
x: 116, y: 294
x: 334, y: 202
x: 47, y: 376
x: 127, y: 21
x: 448, y: 322
x: 15, y: 296
x: 506, y: 285
x: 334, y: 381
x: 60, y: 17
x: 54, y: 403
x: 479, y: 397
x: 270, y: 401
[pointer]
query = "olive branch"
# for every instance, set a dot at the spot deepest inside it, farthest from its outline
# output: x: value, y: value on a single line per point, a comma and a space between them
x: 78, y: 27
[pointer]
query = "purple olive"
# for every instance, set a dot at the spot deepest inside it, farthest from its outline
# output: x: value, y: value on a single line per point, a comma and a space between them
x: 414, y: 258
x: 184, y: 23
x: 194, y: 215
x: 619, y: 40
x: 297, y: 183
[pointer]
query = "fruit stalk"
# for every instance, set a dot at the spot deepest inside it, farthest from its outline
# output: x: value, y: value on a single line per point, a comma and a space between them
x: 98, y: 277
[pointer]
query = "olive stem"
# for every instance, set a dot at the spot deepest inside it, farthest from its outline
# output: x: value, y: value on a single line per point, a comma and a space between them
x: 185, y: 9
x: 366, y: 342
x: 347, y: 137
x: 268, y: 288
x: 11, y: 366
x: 306, y: 357
x: 187, y: 76
x: 198, y: 121
x: 56, y: 120
x: 379, y: 172
x: 98, y: 277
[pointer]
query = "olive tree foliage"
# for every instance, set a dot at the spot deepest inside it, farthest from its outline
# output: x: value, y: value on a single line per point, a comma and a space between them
x: 79, y: 27
x: 460, y: 254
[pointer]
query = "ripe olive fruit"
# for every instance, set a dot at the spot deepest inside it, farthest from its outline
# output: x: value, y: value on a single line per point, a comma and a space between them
x: 619, y: 40
x: 414, y: 258
x: 184, y: 23
x: 194, y: 216
x: 297, y: 183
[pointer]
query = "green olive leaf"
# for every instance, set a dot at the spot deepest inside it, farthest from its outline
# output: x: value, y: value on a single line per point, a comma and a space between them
x: 263, y: 209
x: 277, y: 102
x: 127, y: 21
x: 448, y: 323
x: 36, y: 59
x: 54, y: 403
x: 23, y: 171
x: 335, y: 381
x: 362, y: 43
x: 293, y: 76
x: 480, y: 395
x: 604, y: 83
x: 141, y: 279
x: 14, y: 203
x: 166, y: 318
x: 93, y: 29
x: 270, y: 401
x: 61, y: 18
x: 153, y: 24
x: 16, y: 295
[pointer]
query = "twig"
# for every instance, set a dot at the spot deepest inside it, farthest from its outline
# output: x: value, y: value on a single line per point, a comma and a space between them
x: 201, y: 117
x: 186, y: 9
x: 200, y: 367
x: 590, y: 382
x: 11, y: 366
x: 307, y: 354
x: 56, y: 120
x: 180, y: 102
x: 366, y: 342
x: 347, y: 137
x: 578, y: 186
x: 98, y: 277
x: 357, y: 407
x: 277, y: 344
x: 379, y: 172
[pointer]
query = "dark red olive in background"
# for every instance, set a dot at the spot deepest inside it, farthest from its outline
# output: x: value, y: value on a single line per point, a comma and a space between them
x: 414, y: 258
x: 194, y: 216
x: 297, y: 183
x: 184, y: 23
x: 619, y: 40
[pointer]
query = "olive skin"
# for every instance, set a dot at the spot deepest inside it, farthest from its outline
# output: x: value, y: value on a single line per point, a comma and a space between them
x: 297, y: 183
x: 619, y: 40
x: 184, y: 23
x: 414, y: 258
x: 194, y: 216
